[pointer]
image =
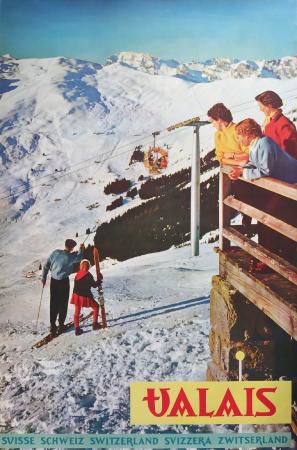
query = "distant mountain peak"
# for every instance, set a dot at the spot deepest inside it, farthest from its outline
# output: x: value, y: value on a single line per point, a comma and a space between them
x: 145, y: 63
x: 209, y: 70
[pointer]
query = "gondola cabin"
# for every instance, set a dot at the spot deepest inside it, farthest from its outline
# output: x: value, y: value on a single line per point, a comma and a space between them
x: 156, y: 160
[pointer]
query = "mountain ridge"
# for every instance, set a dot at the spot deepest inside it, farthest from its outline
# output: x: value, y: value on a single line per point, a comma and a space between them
x: 209, y: 70
x: 212, y: 69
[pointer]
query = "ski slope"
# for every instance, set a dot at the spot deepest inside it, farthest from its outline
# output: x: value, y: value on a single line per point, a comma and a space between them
x: 158, y: 307
x: 68, y: 128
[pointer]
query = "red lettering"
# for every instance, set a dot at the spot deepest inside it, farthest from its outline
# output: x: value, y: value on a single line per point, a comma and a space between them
x: 202, y: 403
x: 151, y: 401
x: 249, y: 401
x: 228, y: 405
x: 158, y: 405
x: 182, y: 405
x: 266, y: 402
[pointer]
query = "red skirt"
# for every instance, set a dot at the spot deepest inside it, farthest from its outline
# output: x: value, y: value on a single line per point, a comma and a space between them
x: 82, y: 301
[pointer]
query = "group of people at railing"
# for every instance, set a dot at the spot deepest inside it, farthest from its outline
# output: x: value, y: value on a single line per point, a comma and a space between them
x: 260, y: 152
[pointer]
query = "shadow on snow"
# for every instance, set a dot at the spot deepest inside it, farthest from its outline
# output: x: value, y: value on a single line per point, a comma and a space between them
x: 160, y: 310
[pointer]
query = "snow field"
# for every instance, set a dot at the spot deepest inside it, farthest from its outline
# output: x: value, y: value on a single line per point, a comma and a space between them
x: 157, y: 305
x: 158, y: 325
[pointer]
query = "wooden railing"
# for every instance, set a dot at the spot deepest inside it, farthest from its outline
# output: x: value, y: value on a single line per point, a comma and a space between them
x: 229, y: 233
x: 281, y: 308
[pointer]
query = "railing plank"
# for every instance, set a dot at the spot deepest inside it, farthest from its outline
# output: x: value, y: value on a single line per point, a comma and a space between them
x: 272, y: 260
x: 265, y: 218
x: 271, y: 184
x: 282, y: 311
x: 253, y: 228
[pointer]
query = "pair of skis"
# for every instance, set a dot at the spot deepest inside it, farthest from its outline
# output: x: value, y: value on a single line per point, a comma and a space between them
x: 100, y: 290
x: 49, y: 337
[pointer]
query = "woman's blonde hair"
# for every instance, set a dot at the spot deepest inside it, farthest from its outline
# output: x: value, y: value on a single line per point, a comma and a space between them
x: 248, y: 127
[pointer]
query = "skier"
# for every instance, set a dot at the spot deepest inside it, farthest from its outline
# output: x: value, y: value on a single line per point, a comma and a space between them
x: 60, y: 263
x: 82, y: 296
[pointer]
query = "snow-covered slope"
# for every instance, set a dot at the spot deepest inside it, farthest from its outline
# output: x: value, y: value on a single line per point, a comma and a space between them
x: 68, y: 128
x: 156, y: 330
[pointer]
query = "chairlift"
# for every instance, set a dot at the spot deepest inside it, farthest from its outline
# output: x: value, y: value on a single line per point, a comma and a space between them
x: 155, y: 158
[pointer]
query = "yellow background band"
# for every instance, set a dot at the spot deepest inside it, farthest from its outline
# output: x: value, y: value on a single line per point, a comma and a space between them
x: 281, y: 399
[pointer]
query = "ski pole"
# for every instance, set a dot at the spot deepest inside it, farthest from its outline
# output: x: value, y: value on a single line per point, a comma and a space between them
x: 89, y: 234
x: 39, y: 308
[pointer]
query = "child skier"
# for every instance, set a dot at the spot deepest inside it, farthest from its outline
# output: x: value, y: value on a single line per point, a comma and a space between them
x: 82, y: 296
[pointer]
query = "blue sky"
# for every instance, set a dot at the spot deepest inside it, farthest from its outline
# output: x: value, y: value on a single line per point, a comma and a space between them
x: 182, y: 29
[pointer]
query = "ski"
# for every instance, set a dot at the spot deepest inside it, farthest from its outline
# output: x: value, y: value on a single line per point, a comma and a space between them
x: 49, y: 337
x: 100, y: 290
x: 294, y: 421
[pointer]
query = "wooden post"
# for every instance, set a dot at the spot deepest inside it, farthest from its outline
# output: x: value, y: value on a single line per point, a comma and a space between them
x: 225, y: 211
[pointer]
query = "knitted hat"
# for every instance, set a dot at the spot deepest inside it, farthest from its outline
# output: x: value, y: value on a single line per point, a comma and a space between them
x: 86, y: 260
x: 70, y: 243
x: 83, y: 263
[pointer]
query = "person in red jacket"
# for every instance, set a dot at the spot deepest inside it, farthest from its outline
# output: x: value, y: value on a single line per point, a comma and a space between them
x: 282, y: 131
x: 82, y: 296
x: 277, y: 126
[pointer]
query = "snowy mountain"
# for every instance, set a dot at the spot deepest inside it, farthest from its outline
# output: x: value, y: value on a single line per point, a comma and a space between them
x: 210, y: 70
x: 69, y: 128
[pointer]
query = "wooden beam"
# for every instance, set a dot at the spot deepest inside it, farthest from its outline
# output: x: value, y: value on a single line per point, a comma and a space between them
x: 253, y: 227
x: 265, y: 218
x: 272, y: 260
x: 271, y: 184
x: 282, y: 310
x: 224, y: 211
